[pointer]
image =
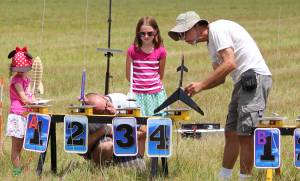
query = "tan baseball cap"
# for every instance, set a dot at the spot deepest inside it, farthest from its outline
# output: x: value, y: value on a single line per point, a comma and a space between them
x: 184, y: 22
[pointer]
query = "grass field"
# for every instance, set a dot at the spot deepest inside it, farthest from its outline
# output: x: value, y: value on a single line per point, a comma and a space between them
x: 68, y: 44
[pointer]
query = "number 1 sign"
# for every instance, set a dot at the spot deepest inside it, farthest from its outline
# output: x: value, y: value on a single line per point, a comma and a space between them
x: 159, y: 135
x: 37, y: 132
x: 267, y: 147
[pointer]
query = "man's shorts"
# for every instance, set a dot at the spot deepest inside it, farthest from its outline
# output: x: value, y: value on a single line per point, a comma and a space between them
x: 247, y: 106
x: 135, y: 162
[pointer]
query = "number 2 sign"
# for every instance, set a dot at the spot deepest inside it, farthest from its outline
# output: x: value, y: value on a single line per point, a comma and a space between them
x: 159, y: 135
x: 267, y: 147
x: 76, y: 133
x: 37, y: 132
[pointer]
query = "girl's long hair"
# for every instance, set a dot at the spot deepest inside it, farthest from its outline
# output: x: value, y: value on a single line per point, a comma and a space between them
x: 149, y: 21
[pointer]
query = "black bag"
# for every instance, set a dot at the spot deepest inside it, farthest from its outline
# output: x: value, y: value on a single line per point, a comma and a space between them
x: 248, y: 80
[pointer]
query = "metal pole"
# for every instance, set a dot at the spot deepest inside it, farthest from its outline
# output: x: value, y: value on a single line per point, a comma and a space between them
x: 164, y: 162
x: 108, y: 54
x: 53, y: 147
x: 154, y: 168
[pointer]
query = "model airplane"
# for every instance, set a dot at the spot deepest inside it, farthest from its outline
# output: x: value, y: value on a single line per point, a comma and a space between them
x: 180, y: 94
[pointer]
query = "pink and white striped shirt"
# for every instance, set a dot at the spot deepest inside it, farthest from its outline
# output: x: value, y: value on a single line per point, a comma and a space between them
x: 146, y: 78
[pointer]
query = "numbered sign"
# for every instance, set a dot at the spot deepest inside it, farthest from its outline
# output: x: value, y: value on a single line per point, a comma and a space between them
x: 76, y: 133
x: 297, y: 147
x: 125, y: 136
x: 159, y: 137
x: 37, y: 132
x: 267, y: 147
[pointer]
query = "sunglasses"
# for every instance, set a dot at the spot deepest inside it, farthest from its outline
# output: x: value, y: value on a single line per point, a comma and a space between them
x: 143, y: 34
x: 106, y: 103
x: 181, y: 36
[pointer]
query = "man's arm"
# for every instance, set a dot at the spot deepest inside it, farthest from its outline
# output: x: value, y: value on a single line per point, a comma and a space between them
x: 221, y: 81
x: 93, y: 138
x: 218, y: 76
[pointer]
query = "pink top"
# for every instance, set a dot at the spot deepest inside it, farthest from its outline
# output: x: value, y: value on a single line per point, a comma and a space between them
x: 146, y: 78
x: 16, y: 104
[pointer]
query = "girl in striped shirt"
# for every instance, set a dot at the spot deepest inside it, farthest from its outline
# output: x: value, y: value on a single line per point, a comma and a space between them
x: 147, y: 55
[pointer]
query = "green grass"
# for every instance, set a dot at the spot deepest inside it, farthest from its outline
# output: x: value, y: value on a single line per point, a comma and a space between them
x: 273, y: 23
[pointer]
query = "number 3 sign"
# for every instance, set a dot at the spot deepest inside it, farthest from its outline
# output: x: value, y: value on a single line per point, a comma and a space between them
x: 267, y: 147
x: 125, y: 136
x: 37, y: 132
x: 159, y: 135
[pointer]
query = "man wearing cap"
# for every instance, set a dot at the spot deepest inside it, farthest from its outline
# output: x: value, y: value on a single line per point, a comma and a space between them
x: 234, y: 52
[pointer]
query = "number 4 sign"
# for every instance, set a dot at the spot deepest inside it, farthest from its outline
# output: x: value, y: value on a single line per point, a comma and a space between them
x: 37, y: 132
x: 159, y: 135
x: 76, y: 133
x: 297, y: 147
x: 267, y: 147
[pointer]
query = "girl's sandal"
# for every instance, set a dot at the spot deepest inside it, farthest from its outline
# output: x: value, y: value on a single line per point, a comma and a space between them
x: 17, y: 172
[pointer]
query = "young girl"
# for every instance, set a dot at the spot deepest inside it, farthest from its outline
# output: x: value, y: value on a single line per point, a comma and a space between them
x: 148, y: 56
x: 20, y: 95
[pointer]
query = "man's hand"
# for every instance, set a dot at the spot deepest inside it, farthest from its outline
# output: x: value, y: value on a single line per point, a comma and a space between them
x: 108, y: 130
x: 193, y: 88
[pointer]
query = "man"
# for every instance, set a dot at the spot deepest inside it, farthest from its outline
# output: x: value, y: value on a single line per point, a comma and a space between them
x: 100, y: 146
x: 234, y: 52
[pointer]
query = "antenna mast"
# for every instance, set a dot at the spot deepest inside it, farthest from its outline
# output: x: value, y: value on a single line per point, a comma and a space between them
x: 108, y: 52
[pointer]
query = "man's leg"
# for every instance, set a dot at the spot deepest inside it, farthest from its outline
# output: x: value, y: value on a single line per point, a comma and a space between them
x: 243, y: 113
x: 142, y: 140
x: 231, y: 149
x: 103, y: 152
x: 246, y: 154
x: 251, y: 106
x: 231, y: 152
x: 232, y: 145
